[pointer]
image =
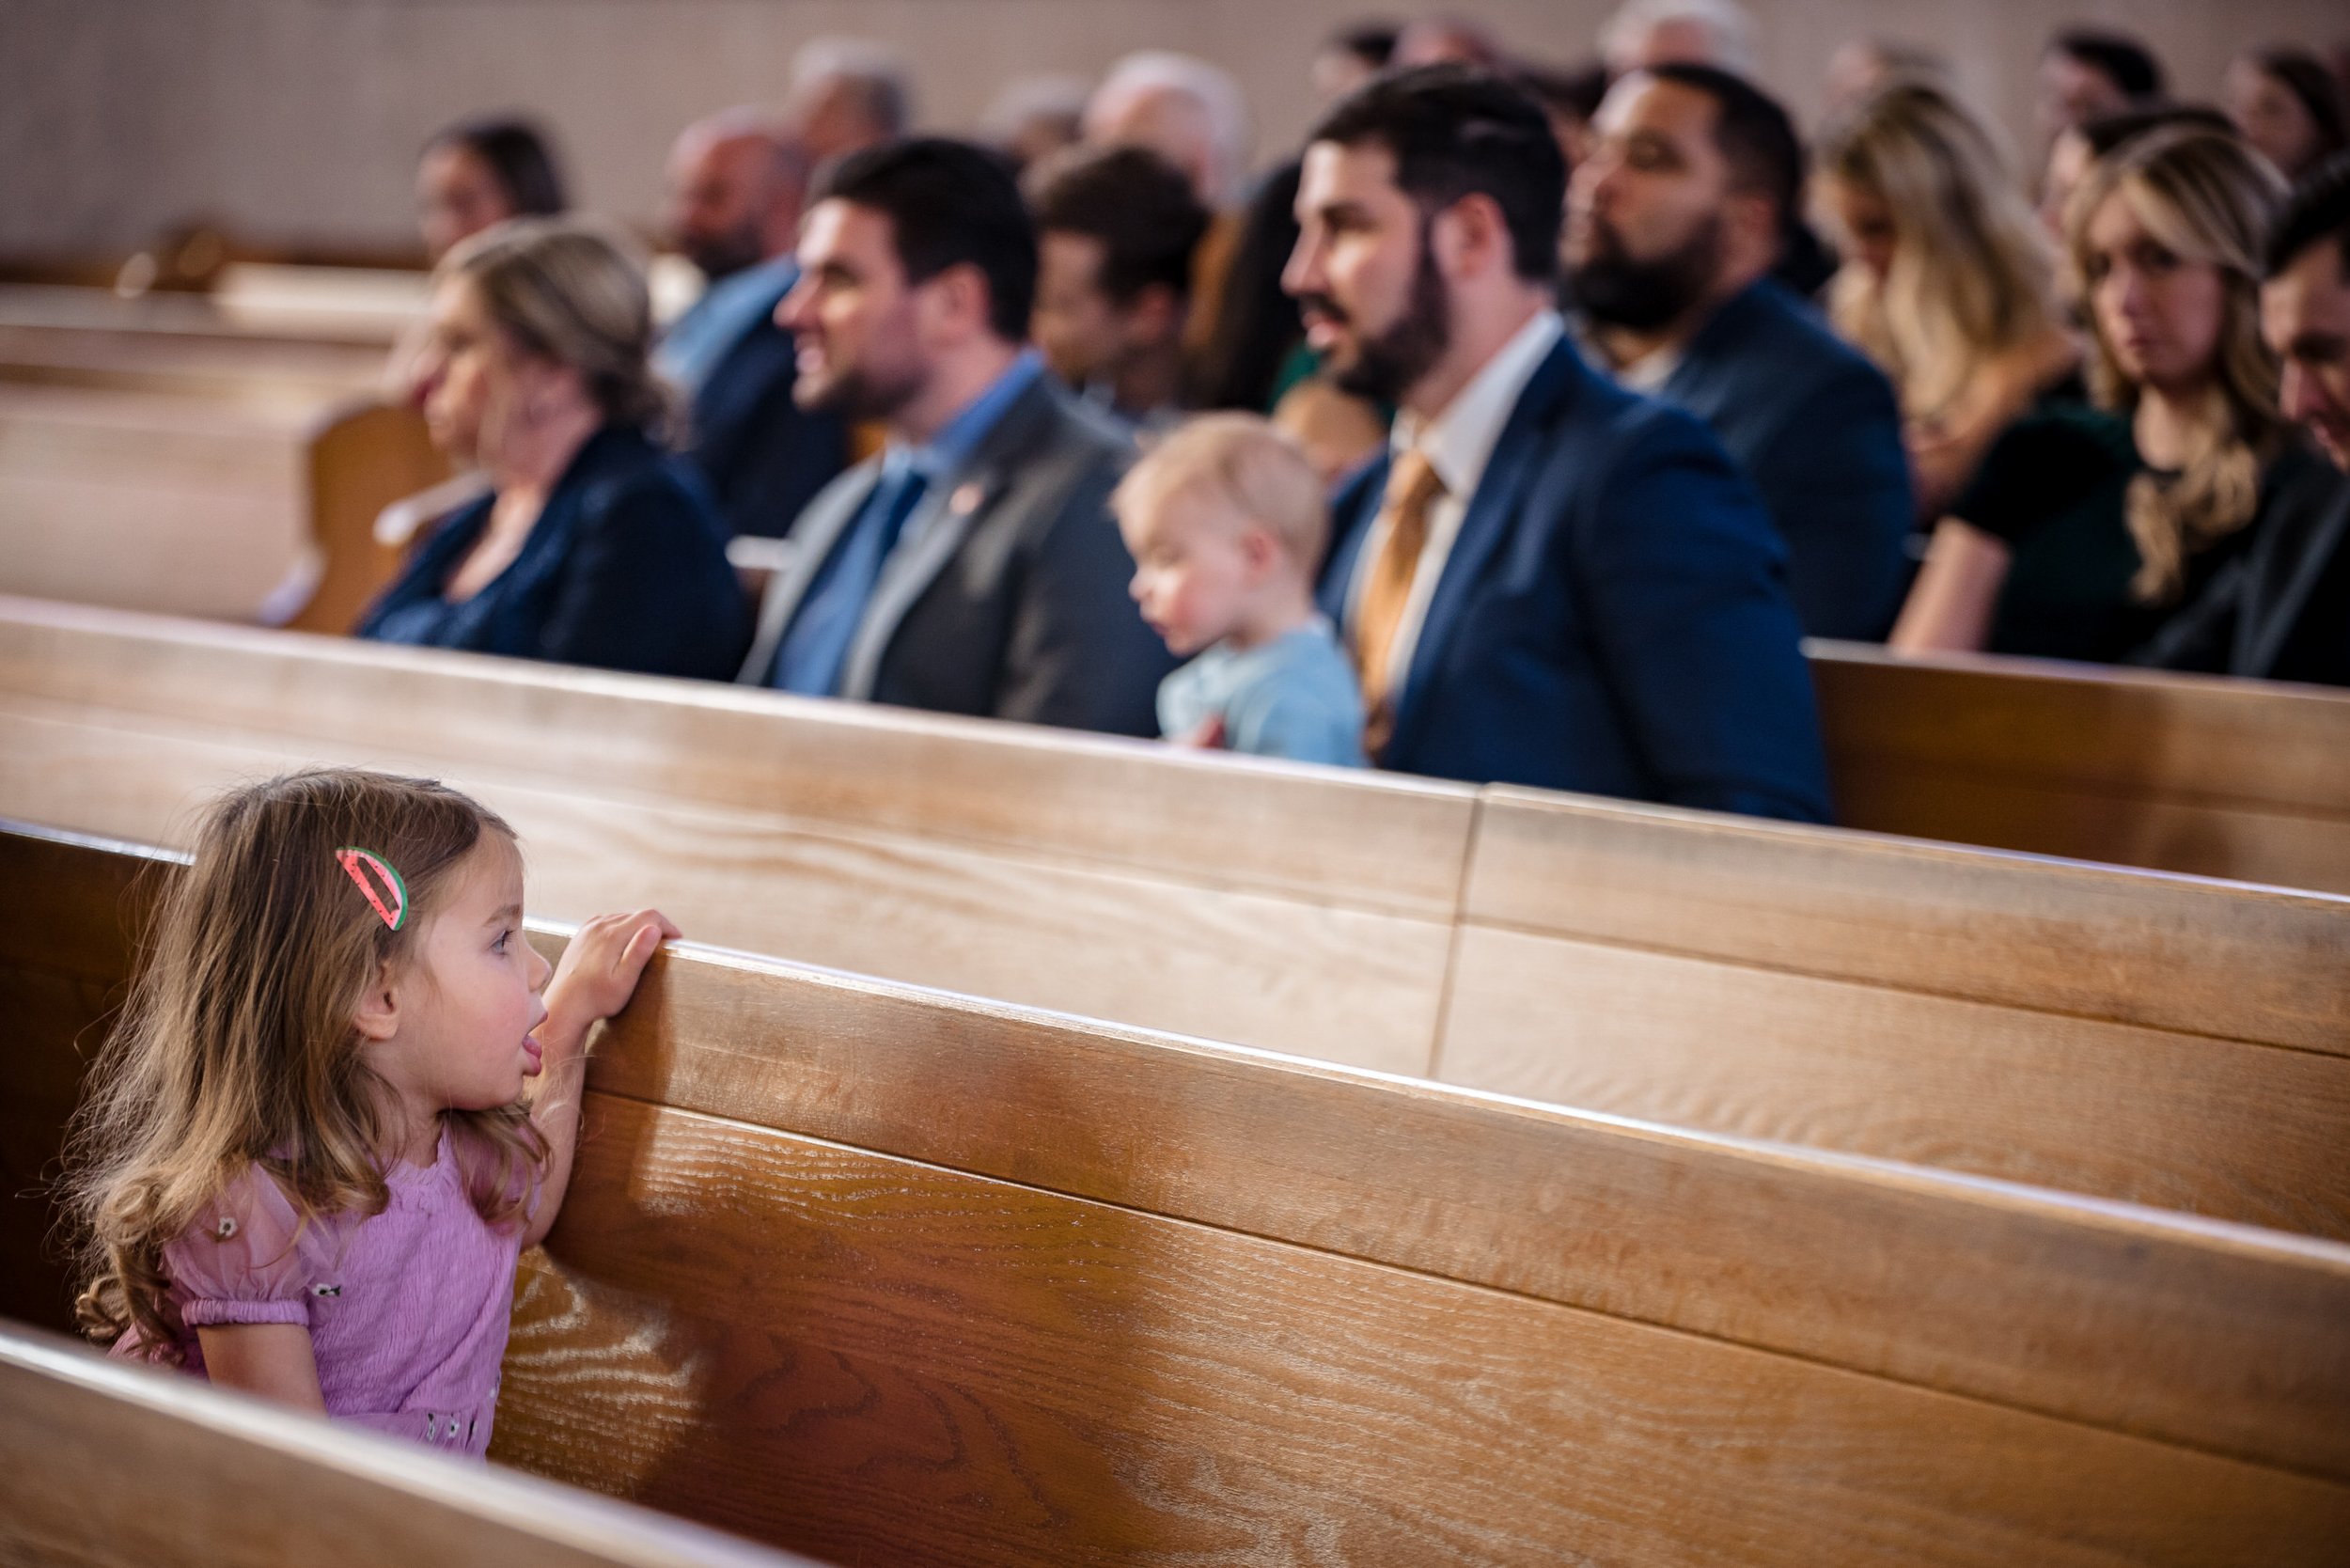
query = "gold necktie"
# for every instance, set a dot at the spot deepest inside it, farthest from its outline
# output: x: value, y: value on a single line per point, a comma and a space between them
x: 1411, y: 489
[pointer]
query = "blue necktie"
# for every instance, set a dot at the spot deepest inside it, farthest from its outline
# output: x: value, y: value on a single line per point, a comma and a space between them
x: 816, y: 646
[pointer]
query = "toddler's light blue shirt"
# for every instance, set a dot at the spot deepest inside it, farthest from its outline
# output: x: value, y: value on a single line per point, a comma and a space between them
x: 1294, y: 697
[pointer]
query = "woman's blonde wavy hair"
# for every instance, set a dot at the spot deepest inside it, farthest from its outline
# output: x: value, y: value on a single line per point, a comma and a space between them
x: 564, y: 290
x: 238, y: 1046
x: 1971, y: 279
x: 2209, y: 200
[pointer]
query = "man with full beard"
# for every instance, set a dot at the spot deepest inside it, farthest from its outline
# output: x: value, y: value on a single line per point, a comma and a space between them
x: 1547, y: 580
x: 972, y: 566
x: 1674, y: 222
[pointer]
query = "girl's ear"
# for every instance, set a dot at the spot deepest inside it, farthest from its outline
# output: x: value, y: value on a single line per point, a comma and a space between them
x: 377, y: 1016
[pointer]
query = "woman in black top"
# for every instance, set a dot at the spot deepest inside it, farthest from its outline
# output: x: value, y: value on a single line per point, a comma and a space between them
x: 595, y: 546
x: 2084, y: 530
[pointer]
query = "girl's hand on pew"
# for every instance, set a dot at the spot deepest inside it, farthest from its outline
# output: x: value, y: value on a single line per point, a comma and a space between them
x: 598, y: 974
x: 595, y: 979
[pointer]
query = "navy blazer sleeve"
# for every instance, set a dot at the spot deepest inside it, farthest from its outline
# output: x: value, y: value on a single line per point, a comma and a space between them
x: 1838, y: 480
x: 765, y: 457
x: 648, y: 587
x: 1700, y: 642
x: 1080, y: 655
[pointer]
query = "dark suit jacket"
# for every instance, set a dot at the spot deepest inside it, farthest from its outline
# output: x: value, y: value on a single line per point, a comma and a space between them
x: 1817, y: 428
x: 1613, y: 617
x: 625, y: 569
x: 765, y: 457
x: 2280, y: 609
x: 1007, y: 594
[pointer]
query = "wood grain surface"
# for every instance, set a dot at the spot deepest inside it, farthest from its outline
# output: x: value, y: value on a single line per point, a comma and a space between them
x: 2219, y: 777
x: 2224, y: 1338
x: 2164, y: 951
x: 2257, y: 1134
x: 147, y: 500
x: 1350, y: 984
x: 107, y: 1466
x: 875, y: 1360
x: 1025, y: 1290
x: 2028, y: 993
x: 1334, y: 836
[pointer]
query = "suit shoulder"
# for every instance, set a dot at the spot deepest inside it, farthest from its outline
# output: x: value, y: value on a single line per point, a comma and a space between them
x: 1082, y: 433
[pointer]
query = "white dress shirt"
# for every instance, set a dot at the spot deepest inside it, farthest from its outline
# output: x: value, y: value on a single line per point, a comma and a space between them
x: 1458, y: 444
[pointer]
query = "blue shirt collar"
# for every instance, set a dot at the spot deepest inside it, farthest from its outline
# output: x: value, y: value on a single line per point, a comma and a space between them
x: 951, y: 448
x: 690, y: 350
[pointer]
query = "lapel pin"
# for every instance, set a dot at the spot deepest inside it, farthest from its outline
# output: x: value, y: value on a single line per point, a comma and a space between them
x: 966, y: 497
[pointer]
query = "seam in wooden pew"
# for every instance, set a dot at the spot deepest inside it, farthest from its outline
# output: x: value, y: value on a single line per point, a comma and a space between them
x: 1454, y: 939
x: 1553, y: 933
x: 2020, y: 1407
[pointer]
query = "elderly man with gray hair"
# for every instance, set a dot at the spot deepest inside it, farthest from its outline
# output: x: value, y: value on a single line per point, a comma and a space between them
x: 847, y: 94
x: 1645, y: 33
x: 1188, y: 112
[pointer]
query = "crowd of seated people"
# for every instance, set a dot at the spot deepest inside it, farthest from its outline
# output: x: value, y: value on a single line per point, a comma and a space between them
x: 1617, y: 389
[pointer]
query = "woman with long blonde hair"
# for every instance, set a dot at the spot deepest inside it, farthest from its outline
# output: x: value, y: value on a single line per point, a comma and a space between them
x: 306, y: 1165
x: 2086, y: 529
x: 1947, y: 281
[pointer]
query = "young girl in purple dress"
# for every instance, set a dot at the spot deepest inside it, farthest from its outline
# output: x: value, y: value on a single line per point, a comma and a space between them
x: 308, y: 1165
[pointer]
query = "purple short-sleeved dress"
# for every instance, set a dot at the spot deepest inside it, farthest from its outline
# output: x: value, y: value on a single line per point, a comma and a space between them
x: 408, y: 1309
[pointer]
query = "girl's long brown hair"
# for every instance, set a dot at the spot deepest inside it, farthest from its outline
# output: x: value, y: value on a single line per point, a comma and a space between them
x: 238, y: 1048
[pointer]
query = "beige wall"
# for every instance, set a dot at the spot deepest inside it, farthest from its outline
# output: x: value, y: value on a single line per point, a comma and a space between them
x: 297, y: 119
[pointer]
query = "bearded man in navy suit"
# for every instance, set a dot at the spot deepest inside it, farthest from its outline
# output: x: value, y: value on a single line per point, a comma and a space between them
x: 1546, y: 580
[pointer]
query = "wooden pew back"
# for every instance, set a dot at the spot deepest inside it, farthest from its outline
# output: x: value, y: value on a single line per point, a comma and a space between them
x: 2113, y: 1032
x: 158, y: 500
x: 2216, y: 778
x: 880, y: 1274
x: 2175, y: 1042
x: 103, y: 1464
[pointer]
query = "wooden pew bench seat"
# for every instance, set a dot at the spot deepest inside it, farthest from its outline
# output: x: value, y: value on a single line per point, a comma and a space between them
x: 2155, y: 1037
x: 878, y: 1274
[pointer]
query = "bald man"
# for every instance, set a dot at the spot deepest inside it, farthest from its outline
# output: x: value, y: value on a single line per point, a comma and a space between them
x: 735, y: 188
x: 1188, y: 112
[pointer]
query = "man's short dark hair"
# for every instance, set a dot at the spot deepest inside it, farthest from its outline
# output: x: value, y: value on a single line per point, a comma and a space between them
x: 1371, y: 42
x: 2108, y: 133
x: 1577, y: 90
x: 1458, y: 131
x: 1138, y: 204
x: 2314, y: 87
x: 1756, y: 136
x: 949, y: 204
x: 2318, y: 211
x: 519, y: 158
x: 2121, y: 59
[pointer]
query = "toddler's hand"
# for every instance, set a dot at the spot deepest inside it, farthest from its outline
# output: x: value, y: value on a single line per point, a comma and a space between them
x: 602, y: 965
x: 1207, y: 735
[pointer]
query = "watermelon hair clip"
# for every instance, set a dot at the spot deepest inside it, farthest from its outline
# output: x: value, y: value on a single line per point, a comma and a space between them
x: 386, y: 891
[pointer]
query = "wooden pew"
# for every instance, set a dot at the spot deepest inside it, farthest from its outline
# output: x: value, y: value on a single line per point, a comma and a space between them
x: 2217, y: 777
x: 104, y: 1464
x: 2154, y: 1037
x: 880, y: 1274
x: 169, y: 500
x: 223, y: 456
x: 352, y: 307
